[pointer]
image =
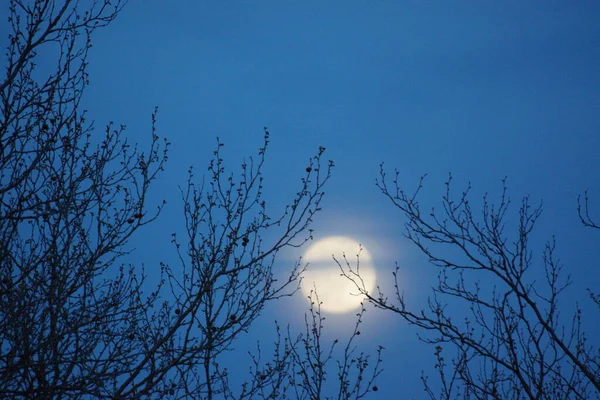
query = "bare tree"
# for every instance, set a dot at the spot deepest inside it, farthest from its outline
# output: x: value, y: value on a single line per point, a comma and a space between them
x: 355, y: 375
x: 301, y: 365
x: 227, y: 270
x: 511, y: 342
x: 75, y: 322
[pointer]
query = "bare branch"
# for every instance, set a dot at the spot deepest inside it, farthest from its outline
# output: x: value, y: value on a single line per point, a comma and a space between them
x: 583, y: 211
x: 511, y: 343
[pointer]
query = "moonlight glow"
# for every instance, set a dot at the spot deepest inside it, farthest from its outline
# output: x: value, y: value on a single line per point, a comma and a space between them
x: 336, y: 292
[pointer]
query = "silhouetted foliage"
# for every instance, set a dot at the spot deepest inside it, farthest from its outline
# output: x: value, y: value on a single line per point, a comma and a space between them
x: 75, y: 322
x: 511, y: 341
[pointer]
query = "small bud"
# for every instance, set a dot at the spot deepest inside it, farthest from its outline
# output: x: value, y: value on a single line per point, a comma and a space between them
x: 308, y: 169
x: 375, y: 388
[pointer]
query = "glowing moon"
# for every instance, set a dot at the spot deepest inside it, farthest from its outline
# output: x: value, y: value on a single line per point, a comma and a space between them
x: 337, y: 293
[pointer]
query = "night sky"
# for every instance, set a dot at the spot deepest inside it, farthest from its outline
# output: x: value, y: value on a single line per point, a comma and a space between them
x: 483, y: 90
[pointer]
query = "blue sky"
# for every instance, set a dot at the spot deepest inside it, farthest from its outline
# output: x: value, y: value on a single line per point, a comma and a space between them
x: 482, y: 89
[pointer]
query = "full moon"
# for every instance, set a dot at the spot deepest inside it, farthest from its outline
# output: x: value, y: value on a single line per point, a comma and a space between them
x: 337, y: 293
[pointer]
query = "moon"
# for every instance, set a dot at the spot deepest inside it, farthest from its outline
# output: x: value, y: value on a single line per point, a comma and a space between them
x: 336, y: 293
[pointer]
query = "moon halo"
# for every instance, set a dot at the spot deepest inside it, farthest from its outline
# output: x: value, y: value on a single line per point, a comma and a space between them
x: 336, y: 293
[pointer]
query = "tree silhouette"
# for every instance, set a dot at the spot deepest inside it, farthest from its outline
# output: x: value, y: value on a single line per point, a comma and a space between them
x: 78, y: 323
x: 511, y: 341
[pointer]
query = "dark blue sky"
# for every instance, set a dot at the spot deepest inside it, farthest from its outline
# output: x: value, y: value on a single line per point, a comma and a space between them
x: 480, y: 89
